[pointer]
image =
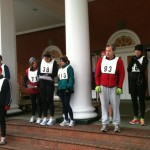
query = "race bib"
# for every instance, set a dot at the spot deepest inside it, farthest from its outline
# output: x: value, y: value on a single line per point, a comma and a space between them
x: 62, y: 73
x: 135, y: 68
x: 46, y: 67
x: 32, y: 76
x: 109, y: 66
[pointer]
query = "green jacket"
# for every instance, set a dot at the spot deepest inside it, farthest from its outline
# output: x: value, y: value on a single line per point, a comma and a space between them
x: 67, y: 84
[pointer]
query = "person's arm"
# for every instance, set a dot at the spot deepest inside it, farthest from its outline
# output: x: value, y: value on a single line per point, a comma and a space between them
x: 98, y: 72
x: 131, y: 63
x: 25, y: 79
x: 121, y: 73
x: 7, y: 93
x: 55, y: 70
x: 7, y: 72
x: 71, y: 80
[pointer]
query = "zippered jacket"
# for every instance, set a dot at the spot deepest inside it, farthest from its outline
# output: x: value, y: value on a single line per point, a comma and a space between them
x: 110, y: 80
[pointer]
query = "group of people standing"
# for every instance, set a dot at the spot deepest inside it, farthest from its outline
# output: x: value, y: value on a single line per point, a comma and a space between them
x: 110, y: 73
x: 39, y: 80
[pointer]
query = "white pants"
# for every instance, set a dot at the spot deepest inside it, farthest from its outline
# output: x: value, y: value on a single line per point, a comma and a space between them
x: 109, y: 96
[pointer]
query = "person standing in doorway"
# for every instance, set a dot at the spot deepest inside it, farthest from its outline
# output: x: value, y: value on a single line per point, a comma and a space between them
x: 5, y: 69
x: 66, y: 88
x: 109, y: 80
x: 5, y: 100
x: 138, y: 83
x: 47, y: 71
x: 30, y: 82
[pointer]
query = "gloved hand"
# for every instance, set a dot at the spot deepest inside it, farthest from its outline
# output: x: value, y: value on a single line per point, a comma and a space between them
x: 119, y: 91
x: 98, y: 88
x: 6, y: 107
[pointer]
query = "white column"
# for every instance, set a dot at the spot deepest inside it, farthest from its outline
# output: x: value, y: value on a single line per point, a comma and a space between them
x: 78, y: 51
x: 8, y: 47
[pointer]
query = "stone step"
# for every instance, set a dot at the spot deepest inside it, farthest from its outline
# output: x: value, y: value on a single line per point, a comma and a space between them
x: 79, y: 137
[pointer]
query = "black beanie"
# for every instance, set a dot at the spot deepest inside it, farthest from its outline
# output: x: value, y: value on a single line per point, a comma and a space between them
x: 47, y: 54
x: 64, y: 59
x: 139, y: 47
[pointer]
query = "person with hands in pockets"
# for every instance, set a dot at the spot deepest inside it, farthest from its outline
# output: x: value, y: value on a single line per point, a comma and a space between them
x: 137, y: 81
x: 109, y: 81
x: 5, y: 100
x: 66, y: 88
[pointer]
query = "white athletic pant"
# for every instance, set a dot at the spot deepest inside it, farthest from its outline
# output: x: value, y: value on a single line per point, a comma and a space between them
x: 109, y: 96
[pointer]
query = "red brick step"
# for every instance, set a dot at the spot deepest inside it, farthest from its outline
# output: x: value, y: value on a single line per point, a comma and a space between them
x: 82, y: 137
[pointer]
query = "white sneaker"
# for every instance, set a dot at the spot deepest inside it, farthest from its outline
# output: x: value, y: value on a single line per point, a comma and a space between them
x: 38, y: 121
x: 64, y: 123
x: 44, y: 121
x: 51, y: 121
x: 32, y: 119
x: 72, y: 123
x: 3, y: 141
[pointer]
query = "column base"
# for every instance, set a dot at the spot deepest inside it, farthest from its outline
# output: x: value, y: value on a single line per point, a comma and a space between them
x: 14, y: 109
x: 80, y: 121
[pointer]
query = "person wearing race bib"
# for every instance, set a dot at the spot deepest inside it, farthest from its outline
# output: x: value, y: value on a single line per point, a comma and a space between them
x: 47, y: 71
x: 30, y: 82
x: 137, y: 81
x: 5, y: 100
x: 66, y: 88
x: 109, y: 80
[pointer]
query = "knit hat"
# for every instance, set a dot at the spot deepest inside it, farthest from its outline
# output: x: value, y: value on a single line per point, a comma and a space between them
x: 64, y: 59
x: 139, y: 47
x: 47, y: 54
x: 31, y: 60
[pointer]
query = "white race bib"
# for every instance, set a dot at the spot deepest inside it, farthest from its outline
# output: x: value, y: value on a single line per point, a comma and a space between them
x: 1, y: 83
x: 135, y: 68
x: 46, y: 67
x: 3, y: 71
x: 109, y: 66
x: 32, y: 75
x: 62, y: 73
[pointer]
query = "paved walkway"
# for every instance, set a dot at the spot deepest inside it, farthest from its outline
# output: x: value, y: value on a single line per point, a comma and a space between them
x: 126, y: 115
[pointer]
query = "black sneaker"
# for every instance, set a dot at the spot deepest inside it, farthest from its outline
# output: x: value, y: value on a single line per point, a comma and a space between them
x: 117, y: 129
x: 104, y: 128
